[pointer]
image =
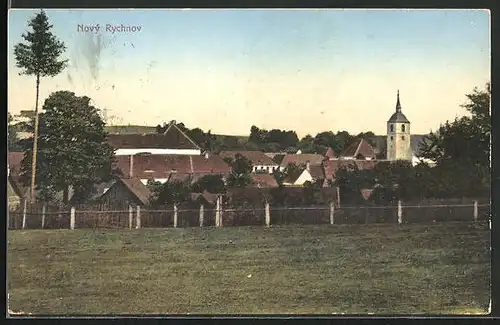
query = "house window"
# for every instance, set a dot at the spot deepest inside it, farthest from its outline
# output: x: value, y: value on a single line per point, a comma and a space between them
x: 392, y: 127
x: 403, y: 128
x: 402, y: 137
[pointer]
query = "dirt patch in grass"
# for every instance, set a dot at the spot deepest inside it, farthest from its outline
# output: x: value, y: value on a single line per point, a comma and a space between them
x: 380, y: 269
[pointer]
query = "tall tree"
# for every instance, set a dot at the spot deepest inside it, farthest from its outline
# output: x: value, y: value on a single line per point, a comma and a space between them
x: 306, y: 144
x: 168, y: 193
x: 72, y: 146
x: 39, y: 57
x: 462, y: 147
x: 241, y: 169
x: 210, y: 183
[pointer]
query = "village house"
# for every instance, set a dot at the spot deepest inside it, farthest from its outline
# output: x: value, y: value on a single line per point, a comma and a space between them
x: 314, y: 174
x: 172, y: 142
x: 260, y: 161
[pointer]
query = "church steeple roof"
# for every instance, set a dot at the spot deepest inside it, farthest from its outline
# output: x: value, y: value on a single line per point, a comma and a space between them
x: 398, y: 105
x: 398, y: 116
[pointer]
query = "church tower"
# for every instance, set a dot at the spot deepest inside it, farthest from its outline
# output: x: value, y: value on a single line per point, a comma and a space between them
x: 398, y: 136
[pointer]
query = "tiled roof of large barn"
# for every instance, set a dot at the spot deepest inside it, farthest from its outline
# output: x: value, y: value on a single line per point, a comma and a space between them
x: 172, y: 138
x: 302, y: 159
x: 317, y: 172
x: 359, y: 147
x: 257, y: 157
x: 161, y: 166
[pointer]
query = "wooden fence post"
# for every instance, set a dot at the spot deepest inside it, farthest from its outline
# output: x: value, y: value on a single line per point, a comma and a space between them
x: 221, y: 213
x: 338, y: 197
x: 217, y: 213
x: 268, y: 215
x: 138, y: 218
x: 332, y: 212
x: 201, y: 215
x: 25, y: 203
x: 130, y: 216
x: 400, y: 213
x: 44, y: 207
x: 475, y: 211
x: 72, y: 220
x: 175, y: 215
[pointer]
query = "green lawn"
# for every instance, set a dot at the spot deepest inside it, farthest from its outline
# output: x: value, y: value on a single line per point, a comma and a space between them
x: 441, y: 268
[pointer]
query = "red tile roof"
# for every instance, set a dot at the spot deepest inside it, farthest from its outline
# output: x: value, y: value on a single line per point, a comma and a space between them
x: 302, y: 159
x: 161, y: 166
x: 327, y: 152
x: 173, y: 138
x: 317, y: 172
x: 256, y: 157
x: 264, y: 180
x: 359, y: 147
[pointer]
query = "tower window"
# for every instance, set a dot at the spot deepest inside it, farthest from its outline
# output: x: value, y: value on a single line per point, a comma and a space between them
x: 392, y: 138
x: 402, y: 137
x: 392, y: 127
x: 403, y: 128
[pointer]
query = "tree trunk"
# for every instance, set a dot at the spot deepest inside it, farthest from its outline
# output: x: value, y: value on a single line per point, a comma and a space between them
x: 35, y: 143
x: 65, y: 195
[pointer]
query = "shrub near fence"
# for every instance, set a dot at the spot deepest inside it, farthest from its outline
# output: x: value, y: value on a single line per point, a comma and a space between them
x: 138, y: 217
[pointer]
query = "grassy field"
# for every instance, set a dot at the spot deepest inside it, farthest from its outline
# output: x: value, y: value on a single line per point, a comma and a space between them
x: 381, y: 269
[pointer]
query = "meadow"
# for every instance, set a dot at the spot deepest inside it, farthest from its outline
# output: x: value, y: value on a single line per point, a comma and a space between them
x: 441, y: 268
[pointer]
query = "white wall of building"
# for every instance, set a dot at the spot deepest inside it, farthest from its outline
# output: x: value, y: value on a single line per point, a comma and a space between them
x: 161, y: 180
x: 269, y: 169
x: 134, y: 151
x: 304, y: 177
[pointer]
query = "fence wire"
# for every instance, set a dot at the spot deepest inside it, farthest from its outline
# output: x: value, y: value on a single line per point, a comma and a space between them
x: 39, y: 216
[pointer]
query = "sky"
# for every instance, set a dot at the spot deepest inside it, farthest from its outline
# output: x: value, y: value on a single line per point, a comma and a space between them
x: 226, y: 70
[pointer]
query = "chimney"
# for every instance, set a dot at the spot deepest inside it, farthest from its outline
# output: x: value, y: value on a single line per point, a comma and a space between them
x: 206, y: 155
x: 131, y: 170
x: 191, y: 164
x: 308, y: 165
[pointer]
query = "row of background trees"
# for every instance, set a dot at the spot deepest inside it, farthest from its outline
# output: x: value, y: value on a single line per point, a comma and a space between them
x: 72, y: 151
x: 274, y: 140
